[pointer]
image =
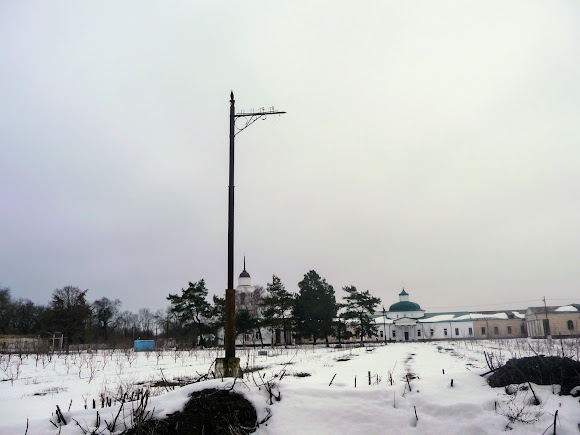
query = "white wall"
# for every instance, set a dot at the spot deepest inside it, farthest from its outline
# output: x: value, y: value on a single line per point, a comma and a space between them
x: 401, y: 314
x: 440, y: 327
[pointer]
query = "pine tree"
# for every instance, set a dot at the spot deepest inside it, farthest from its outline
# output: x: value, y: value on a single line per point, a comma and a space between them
x: 277, y: 307
x: 315, y: 307
x: 217, y: 312
x: 245, y: 323
x: 360, y: 306
x: 69, y: 312
x: 191, y: 308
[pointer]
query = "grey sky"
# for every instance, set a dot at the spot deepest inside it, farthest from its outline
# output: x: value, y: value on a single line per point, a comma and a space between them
x: 434, y: 143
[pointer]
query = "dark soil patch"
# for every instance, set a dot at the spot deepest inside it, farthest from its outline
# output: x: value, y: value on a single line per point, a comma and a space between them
x: 253, y: 369
x: 178, y: 382
x: 302, y: 375
x: 541, y: 370
x: 343, y: 359
x: 207, y: 412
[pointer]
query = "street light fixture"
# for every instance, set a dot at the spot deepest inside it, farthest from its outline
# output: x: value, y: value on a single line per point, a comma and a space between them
x: 230, y: 365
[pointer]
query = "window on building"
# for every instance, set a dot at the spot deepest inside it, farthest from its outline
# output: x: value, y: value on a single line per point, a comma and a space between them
x: 470, y: 331
x: 456, y: 331
x: 445, y: 332
x: 432, y: 332
x: 509, y: 330
x: 570, y: 325
x: 418, y: 332
x: 483, y: 330
x: 495, y: 330
x: 381, y: 334
x: 394, y: 333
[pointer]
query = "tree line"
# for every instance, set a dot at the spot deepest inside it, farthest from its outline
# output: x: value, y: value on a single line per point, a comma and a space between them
x: 312, y: 313
x: 70, y: 313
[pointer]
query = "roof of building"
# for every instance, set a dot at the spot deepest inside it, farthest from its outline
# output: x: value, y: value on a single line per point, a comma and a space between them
x: 244, y: 273
x: 405, y: 306
x: 542, y: 309
x: 460, y: 316
x: 444, y: 317
x: 403, y: 293
x: 572, y: 308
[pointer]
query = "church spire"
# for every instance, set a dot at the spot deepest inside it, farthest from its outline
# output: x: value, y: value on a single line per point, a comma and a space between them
x: 244, y: 273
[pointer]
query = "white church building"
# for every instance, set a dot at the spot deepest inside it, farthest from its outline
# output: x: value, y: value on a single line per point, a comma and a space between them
x: 406, y: 321
x: 405, y: 317
x: 248, y: 299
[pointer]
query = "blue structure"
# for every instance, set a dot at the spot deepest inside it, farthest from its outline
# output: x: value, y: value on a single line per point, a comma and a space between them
x: 144, y: 345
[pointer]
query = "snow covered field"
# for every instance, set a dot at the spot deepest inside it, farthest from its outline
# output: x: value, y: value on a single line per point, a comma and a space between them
x: 322, y: 390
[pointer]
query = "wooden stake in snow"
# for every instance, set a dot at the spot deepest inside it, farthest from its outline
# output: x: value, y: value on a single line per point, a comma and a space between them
x: 443, y: 371
x: 332, y: 380
x: 369, y: 378
x: 415, y: 408
x: 536, y: 400
x: 394, y: 399
x: 354, y: 381
x: 452, y: 382
x: 555, y: 417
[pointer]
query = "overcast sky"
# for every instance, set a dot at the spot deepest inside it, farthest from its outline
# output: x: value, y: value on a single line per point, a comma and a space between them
x: 430, y: 143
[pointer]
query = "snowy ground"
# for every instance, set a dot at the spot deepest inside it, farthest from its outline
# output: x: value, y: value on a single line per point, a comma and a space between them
x: 34, y: 385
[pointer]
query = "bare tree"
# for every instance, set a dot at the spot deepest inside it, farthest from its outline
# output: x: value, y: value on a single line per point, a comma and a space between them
x: 105, y: 310
x: 127, y: 322
x: 146, y: 318
x: 26, y: 316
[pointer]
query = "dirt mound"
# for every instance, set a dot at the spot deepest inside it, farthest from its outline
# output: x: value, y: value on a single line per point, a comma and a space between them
x: 208, y: 412
x: 541, y: 370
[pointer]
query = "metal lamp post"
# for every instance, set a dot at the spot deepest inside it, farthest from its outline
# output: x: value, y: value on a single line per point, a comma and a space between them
x: 384, y: 322
x: 230, y: 365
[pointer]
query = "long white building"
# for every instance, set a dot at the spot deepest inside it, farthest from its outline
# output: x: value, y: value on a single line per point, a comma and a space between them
x: 406, y: 321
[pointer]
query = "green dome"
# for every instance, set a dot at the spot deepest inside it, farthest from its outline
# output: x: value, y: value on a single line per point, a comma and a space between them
x: 405, y: 306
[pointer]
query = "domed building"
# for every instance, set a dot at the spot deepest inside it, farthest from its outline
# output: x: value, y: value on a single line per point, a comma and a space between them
x: 405, y: 315
x: 249, y: 297
x: 245, y: 281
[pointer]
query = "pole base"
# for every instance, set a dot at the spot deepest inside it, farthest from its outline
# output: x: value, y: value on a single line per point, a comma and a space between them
x: 228, y: 368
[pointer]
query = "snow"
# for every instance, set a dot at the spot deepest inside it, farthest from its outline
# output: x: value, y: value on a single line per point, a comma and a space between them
x: 567, y: 309
x: 308, y: 404
x: 447, y: 317
x: 489, y: 316
x: 438, y: 318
